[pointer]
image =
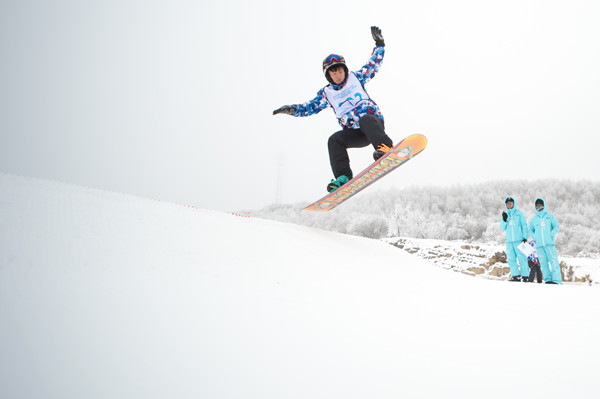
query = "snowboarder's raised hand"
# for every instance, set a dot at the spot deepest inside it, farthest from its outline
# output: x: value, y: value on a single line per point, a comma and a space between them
x: 504, y: 216
x: 286, y: 109
x: 377, y: 36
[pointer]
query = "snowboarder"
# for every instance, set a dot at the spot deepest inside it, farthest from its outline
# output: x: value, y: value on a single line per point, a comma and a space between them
x: 515, y: 225
x: 543, y: 227
x: 359, y: 116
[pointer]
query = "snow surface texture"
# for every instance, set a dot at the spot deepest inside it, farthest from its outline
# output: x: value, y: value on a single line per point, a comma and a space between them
x: 106, y: 295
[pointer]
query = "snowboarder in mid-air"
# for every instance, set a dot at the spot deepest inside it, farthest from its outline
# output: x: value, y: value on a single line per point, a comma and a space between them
x: 361, y: 120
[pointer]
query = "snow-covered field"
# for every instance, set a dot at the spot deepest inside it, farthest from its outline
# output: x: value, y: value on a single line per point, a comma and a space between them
x: 106, y: 295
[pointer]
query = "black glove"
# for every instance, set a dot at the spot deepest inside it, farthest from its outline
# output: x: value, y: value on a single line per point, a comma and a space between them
x: 524, y: 239
x: 504, y: 216
x: 286, y: 109
x: 377, y: 36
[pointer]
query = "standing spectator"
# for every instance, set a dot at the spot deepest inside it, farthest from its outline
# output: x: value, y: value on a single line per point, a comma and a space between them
x: 543, y: 227
x: 515, y: 225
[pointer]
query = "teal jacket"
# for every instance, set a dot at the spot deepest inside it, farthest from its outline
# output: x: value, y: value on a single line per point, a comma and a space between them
x: 543, y: 227
x: 515, y: 226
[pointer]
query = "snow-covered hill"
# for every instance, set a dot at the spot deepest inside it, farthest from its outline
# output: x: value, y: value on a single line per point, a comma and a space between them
x: 105, y: 295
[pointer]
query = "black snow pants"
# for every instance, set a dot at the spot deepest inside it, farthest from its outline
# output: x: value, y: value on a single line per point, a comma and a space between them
x: 535, y: 271
x: 371, y: 132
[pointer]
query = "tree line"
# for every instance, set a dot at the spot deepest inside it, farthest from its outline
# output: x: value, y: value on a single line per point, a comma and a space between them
x: 470, y: 213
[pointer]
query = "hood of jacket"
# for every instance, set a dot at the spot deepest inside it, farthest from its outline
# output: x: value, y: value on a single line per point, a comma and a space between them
x: 543, y: 211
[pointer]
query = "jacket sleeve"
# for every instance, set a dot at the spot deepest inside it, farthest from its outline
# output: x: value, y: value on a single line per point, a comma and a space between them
x: 503, y: 225
x: 370, y: 69
x: 554, y: 226
x: 314, y: 106
x: 531, y: 228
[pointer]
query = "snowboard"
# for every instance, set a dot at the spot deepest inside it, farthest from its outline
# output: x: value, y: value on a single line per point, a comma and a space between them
x: 401, y: 153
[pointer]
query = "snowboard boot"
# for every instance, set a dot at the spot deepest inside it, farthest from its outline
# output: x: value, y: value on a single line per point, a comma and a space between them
x: 337, y: 183
x: 515, y: 278
x: 381, y: 150
x: 525, y: 279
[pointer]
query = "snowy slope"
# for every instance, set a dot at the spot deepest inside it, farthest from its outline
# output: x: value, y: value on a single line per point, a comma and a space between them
x: 106, y: 295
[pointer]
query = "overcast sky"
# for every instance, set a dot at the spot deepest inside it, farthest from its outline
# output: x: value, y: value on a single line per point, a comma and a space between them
x: 173, y: 99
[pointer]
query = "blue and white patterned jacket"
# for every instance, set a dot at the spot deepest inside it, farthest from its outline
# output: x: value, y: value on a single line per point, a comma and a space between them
x: 351, y: 118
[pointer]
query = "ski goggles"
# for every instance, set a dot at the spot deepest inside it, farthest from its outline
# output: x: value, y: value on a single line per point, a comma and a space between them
x: 331, y: 60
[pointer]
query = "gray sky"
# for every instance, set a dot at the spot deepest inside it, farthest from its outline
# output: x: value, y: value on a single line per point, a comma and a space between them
x: 172, y: 100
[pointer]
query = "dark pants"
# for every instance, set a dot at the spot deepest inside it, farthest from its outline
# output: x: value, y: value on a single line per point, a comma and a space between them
x: 371, y: 132
x: 535, y: 270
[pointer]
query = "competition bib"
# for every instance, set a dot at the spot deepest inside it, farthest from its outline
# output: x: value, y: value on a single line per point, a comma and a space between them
x: 347, y: 98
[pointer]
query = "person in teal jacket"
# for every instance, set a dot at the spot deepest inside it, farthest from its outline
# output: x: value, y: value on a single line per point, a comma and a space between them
x: 514, y: 224
x: 543, y: 228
